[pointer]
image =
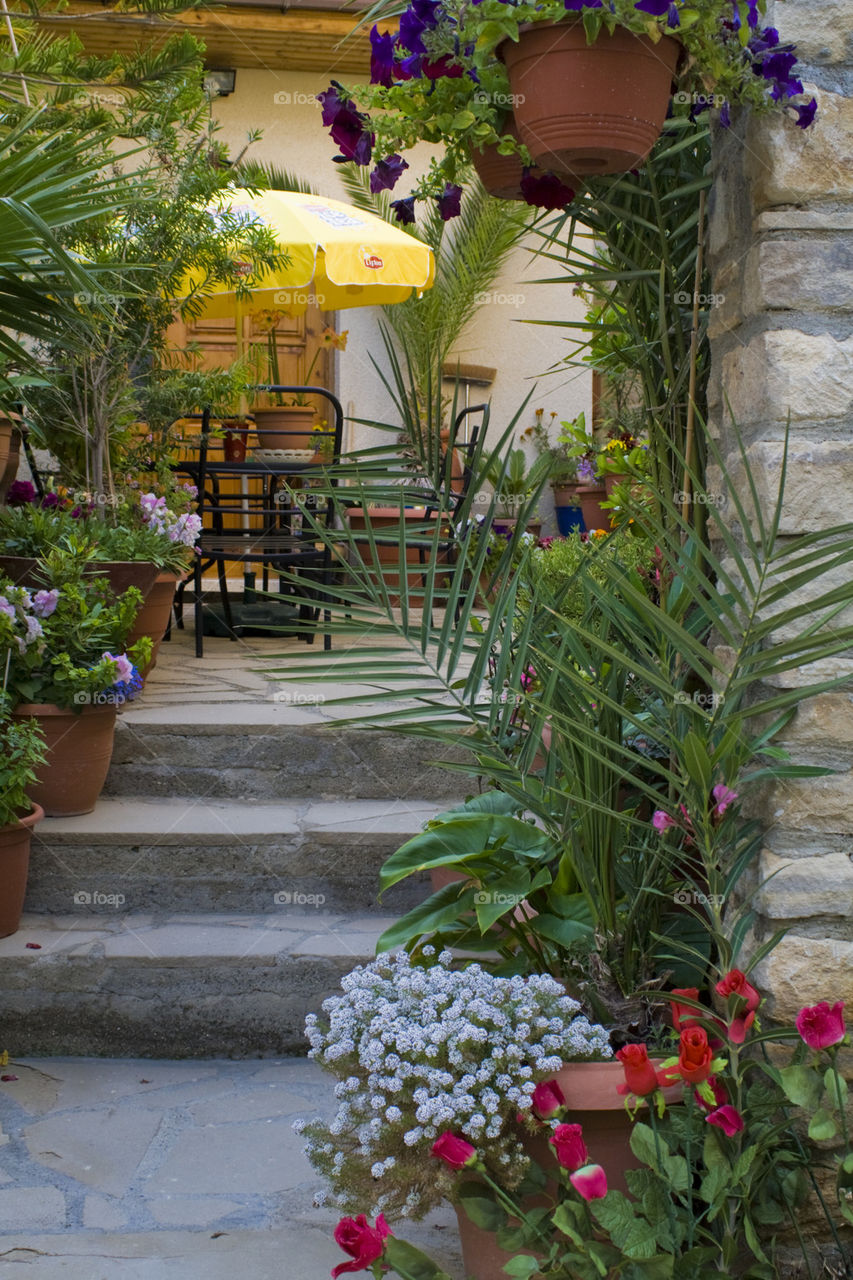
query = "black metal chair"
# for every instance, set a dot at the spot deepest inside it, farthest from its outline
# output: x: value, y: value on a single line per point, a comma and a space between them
x: 265, y: 524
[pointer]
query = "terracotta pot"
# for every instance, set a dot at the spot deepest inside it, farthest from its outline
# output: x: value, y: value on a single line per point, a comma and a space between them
x: 14, y: 865
x: 591, y: 497
x: 10, y: 473
x: 612, y: 478
x: 566, y: 495
x: 590, y: 1090
x: 500, y: 175
x: 286, y: 426
x: 153, y: 618
x: 586, y: 109
x: 25, y: 571
x: 385, y: 522
x: 7, y: 424
x: 79, y: 749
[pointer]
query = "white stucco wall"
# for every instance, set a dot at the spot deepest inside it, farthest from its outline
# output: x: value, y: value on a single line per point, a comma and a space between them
x: 282, y: 105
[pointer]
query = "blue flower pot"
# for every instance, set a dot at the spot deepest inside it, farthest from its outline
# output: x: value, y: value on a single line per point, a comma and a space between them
x: 570, y: 520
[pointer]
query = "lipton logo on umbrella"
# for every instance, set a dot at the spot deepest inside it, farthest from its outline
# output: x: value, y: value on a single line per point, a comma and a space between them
x: 371, y: 259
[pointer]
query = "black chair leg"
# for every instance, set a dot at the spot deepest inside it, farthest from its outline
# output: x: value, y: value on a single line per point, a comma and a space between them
x: 226, y: 603
x: 197, y: 611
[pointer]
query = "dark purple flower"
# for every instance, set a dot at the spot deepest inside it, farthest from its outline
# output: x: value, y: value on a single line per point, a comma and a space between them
x: 386, y: 174
x: 51, y: 500
x: 331, y: 102
x: 672, y: 19
x: 382, y: 57
x: 410, y: 68
x: 450, y: 202
x: 442, y: 67
x: 752, y: 14
x: 363, y: 152
x: 778, y: 67
x: 350, y: 135
x: 806, y: 113
x: 411, y: 31
x: 545, y: 190
x: 575, y: 6
x: 657, y: 8
x: 404, y: 210
x: 20, y: 494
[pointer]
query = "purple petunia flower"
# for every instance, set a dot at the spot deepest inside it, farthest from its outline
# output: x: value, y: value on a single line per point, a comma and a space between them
x: 404, y: 210
x: 441, y: 67
x: 545, y: 190
x: 657, y: 8
x: 410, y: 68
x: 805, y: 113
x: 725, y: 117
x: 20, y: 494
x: 386, y: 174
x: 44, y: 603
x: 778, y: 67
x: 450, y: 202
x: 348, y: 131
x: 51, y: 500
x: 382, y: 57
x: 124, y: 666
x: 575, y: 6
x: 331, y: 102
x: 411, y: 31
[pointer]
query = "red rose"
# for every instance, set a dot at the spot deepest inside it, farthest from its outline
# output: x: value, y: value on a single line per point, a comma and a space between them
x: 547, y: 1100
x: 454, y: 1151
x: 694, y: 1055
x: 743, y: 1001
x: 590, y: 1182
x: 727, y: 1118
x: 362, y: 1242
x: 683, y: 1015
x: 570, y: 1146
x: 640, y: 1075
x: 820, y: 1026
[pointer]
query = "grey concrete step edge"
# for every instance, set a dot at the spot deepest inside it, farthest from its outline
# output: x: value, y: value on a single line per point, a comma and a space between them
x: 191, y: 985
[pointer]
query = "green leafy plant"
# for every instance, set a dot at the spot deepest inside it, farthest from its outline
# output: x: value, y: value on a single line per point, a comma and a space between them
x: 21, y: 752
x: 562, y: 467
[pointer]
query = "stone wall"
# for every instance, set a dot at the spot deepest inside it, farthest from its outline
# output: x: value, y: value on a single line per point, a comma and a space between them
x: 781, y: 252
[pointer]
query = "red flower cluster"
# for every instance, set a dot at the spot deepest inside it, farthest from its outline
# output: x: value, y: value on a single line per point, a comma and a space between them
x: 364, y: 1244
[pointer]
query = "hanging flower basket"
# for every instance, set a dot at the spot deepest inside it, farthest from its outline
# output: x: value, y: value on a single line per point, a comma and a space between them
x: 586, y: 109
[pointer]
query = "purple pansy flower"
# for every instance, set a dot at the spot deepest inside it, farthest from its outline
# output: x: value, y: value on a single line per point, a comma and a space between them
x: 545, y: 190
x: 387, y: 173
x: 404, y: 210
x: 450, y: 202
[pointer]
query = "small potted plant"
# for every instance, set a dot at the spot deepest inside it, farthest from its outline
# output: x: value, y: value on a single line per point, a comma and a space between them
x: 286, y: 423
x: 22, y: 752
x: 67, y: 668
x: 578, y: 87
x: 563, y: 472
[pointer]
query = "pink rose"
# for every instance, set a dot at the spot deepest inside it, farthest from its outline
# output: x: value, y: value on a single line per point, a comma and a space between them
x: 590, y: 1182
x: 547, y: 1100
x: 569, y: 1145
x: 454, y: 1151
x: 735, y: 983
x: 820, y: 1026
x: 720, y: 1095
x: 727, y: 1118
x: 362, y: 1242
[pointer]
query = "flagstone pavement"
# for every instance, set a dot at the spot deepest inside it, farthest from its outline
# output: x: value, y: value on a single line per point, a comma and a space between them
x: 150, y: 1170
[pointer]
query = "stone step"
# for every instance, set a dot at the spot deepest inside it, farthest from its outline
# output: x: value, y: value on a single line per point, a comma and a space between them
x: 271, y: 752
x: 185, y: 985
x: 197, y: 855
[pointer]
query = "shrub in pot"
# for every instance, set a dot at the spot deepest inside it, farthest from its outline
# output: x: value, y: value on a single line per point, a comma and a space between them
x: 22, y: 752
x: 67, y: 668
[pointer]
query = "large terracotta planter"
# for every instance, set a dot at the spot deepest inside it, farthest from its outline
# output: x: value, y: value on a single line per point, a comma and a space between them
x: 285, y: 426
x: 79, y: 749
x: 586, y: 109
x: 153, y: 618
x: 591, y: 497
x: 590, y: 1090
x: 7, y: 425
x: 612, y: 478
x: 14, y: 864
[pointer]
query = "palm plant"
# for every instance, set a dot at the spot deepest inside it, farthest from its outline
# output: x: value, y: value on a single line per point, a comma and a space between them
x: 655, y: 702
x: 633, y: 245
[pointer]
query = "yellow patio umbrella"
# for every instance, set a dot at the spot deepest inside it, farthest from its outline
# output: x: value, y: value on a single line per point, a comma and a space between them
x: 338, y: 257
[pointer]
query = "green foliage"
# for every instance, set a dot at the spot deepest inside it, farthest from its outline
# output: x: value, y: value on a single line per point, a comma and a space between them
x: 21, y: 752
x: 559, y: 572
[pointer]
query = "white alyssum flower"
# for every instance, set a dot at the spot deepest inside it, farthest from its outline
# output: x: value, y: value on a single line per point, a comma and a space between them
x: 419, y: 1051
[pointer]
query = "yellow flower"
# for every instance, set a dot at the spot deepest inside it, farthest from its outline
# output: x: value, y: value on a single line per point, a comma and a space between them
x: 599, y: 533
x: 614, y: 444
x: 337, y: 340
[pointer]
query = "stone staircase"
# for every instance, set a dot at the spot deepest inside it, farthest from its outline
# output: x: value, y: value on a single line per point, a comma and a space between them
x: 223, y: 885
